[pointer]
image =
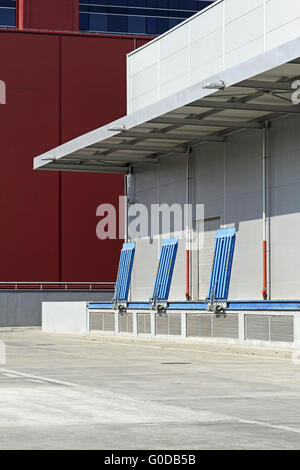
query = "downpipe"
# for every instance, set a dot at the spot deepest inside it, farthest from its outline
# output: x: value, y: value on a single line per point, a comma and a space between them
x: 188, y: 295
x: 265, y: 290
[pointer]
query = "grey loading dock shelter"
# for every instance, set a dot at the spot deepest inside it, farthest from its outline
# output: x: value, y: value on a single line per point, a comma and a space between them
x: 229, y: 141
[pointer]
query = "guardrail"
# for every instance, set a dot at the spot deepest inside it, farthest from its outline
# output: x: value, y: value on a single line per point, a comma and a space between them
x: 15, y: 285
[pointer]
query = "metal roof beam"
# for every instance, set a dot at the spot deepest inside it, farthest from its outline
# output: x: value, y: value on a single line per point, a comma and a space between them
x: 160, y: 136
x: 137, y: 148
x: 244, y: 106
x: 110, y: 158
x: 265, y: 85
x: 208, y: 123
x: 88, y: 168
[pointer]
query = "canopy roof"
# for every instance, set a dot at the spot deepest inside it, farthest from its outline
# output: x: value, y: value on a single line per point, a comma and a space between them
x: 255, y: 92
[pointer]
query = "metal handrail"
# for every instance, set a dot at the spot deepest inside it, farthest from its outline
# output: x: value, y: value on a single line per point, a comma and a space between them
x: 44, y: 285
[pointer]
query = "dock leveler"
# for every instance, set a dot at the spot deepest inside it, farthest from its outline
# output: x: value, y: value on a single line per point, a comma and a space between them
x: 257, y: 322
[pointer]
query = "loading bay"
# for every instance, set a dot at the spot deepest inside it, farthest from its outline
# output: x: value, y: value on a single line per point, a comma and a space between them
x: 100, y: 392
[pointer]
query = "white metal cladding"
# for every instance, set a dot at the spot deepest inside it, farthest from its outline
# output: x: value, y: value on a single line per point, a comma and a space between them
x: 279, y: 328
x: 255, y: 77
x: 168, y: 324
x: 102, y: 321
x: 228, y: 180
x: 215, y: 39
x: 144, y: 323
x: 258, y: 90
x: 212, y: 326
x: 125, y: 323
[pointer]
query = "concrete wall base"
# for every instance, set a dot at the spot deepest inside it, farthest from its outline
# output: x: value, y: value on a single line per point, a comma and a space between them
x: 65, y: 317
x: 24, y: 308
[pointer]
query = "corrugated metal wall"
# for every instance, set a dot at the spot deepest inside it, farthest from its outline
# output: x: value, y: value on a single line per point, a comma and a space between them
x: 227, y: 179
x: 58, y: 86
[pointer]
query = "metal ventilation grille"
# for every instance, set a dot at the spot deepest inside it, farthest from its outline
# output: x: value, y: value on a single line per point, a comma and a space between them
x: 212, y: 326
x: 102, y: 321
x: 225, y: 327
x: 270, y: 328
x: 144, y: 323
x: 198, y: 325
x: 168, y: 324
x: 282, y: 328
x: 125, y: 323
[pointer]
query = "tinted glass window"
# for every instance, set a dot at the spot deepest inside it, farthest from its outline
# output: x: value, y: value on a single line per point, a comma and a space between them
x: 8, y: 13
x: 142, y: 17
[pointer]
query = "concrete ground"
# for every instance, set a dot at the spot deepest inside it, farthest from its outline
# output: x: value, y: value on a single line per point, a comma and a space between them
x: 73, y: 392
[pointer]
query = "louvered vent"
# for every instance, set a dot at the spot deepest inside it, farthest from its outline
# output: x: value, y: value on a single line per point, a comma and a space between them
x: 102, y: 321
x: 198, y: 325
x: 125, y: 323
x: 225, y: 327
x: 282, y: 328
x: 212, y: 326
x: 269, y: 328
x: 144, y: 323
x: 168, y: 324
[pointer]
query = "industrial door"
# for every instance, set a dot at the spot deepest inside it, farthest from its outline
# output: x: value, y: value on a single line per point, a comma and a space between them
x: 206, y: 250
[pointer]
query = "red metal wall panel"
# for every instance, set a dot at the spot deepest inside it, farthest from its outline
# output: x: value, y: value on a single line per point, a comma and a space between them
x: 84, y: 256
x: 93, y: 93
x: 57, y: 15
x: 93, y: 82
x: 58, y: 87
x: 28, y: 126
x: 141, y: 42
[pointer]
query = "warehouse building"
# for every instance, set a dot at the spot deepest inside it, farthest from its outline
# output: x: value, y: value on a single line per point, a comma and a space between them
x: 48, y: 52
x: 213, y: 118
